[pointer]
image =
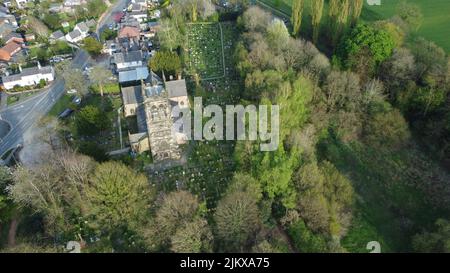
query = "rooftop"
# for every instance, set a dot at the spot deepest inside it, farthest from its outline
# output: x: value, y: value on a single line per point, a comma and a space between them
x: 28, y: 72
x: 176, y: 88
x: 137, y: 74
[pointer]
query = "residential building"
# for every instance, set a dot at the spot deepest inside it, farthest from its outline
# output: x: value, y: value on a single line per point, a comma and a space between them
x: 131, y: 76
x: 29, y: 77
x: 127, y: 60
x: 129, y: 32
x: 9, y: 50
x: 57, y: 35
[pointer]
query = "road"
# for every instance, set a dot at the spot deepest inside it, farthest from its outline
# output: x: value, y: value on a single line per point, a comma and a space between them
x: 24, y: 115
x: 109, y: 18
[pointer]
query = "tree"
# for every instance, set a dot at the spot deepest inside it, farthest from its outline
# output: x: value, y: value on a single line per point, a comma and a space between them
x: 356, y: 7
x: 387, y: 130
x: 100, y: 76
x: 165, y: 61
x: 91, y: 121
x: 410, y: 14
x: 342, y: 91
x: 378, y: 43
x: 73, y: 78
x: 92, y: 46
x: 434, y: 242
x: 341, y: 22
x: 316, y: 16
x: 108, y: 34
x: 277, y: 34
x: 255, y: 19
x: 118, y: 196
x: 237, y: 220
x: 169, y: 34
x: 194, y: 237
x: 37, y: 26
x: 52, y: 21
x: 176, y: 211
x: 95, y: 8
x: 296, y: 17
x: 54, y: 188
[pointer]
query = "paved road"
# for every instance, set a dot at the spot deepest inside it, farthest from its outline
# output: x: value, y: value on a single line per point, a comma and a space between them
x: 109, y: 18
x: 22, y: 116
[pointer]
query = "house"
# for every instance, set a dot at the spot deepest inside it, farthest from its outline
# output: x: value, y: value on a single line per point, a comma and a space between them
x: 57, y: 35
x: 82, y: 27
x: 140, y: 16
x: 6, y: 17
x: 30, y: 37
x: 29, y: 77
x: 75, y: 36
x: 127, y: 60
x: 22, y: 3
x: 7, y: 3
x: 80, y: 31
x: 130, y: 76
x: 129, y: 32
x: 150, y: 105
x: 73, y: 3
x: 9, y: 50
x: 65, y: 24
x: 56, y: 8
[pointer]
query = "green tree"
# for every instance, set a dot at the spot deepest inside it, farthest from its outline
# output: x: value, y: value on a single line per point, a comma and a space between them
x: 118, y: 197
x: 237, y: 220
x: 91, y: 121
x: 194, y: 237
x: 316, y: 16
x: 92, y: 46
x: 434, y: 242
x: 410, y: 14
x: 356, y: 8
x: 296, y: 17
x: 165, y: 62
x: 378, y: 43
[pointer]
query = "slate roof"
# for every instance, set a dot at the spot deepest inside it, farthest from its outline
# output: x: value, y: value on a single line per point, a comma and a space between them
x: 83, y: 26
x: 57, y: 35
x: 27, y: 72
x: 176, y: 88
x: 74, y: 34
x: 128, y: 57
x: 131, y: 94
x: 137, y: 74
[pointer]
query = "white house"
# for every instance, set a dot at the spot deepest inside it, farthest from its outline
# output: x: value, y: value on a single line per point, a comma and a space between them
x: 29, y: 77
x: 127, y: 60
x: 140, y: 16
x: 79, y: 32
x: 22, y: 3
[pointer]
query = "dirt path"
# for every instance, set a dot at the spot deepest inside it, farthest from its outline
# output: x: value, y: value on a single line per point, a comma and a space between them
x: 286, y: 238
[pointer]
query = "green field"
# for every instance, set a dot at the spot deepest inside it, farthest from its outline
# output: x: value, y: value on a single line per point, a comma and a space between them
x: 435, y: 26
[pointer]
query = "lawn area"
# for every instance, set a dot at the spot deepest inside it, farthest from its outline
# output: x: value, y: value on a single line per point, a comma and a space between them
x: 435, y: 26
x: 393, y: 191
x: 62, y: 104
x: 204, y: 53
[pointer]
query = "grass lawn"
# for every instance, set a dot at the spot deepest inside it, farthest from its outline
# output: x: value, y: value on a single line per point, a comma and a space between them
x: 435, y: 26
x: 61, y: 105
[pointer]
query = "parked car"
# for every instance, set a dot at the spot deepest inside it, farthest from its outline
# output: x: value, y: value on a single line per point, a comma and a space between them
x: 76, y: 100
x: 66, y: 113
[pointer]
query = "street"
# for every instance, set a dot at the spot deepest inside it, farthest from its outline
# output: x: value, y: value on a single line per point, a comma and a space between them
x: 24, y: 115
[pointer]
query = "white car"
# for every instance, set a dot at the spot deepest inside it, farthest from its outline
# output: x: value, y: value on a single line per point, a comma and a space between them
x: 72, y: 91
